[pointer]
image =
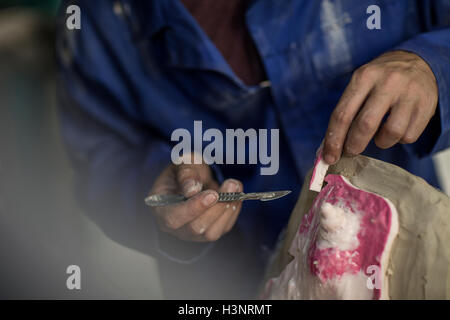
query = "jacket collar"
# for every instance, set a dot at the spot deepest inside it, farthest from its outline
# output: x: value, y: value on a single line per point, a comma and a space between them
x: 148, y: 17
x: 185, y: 44
x: 159, y: 14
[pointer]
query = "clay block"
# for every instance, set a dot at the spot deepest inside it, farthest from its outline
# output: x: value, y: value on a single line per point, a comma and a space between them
x: 419, y: 261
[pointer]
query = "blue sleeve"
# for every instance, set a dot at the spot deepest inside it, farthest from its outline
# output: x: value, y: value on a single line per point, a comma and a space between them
x: 433, y: 46
x: 116, y: 157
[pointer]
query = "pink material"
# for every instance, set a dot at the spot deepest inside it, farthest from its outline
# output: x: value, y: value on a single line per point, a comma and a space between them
x: 327, y: 264
x: 373, y: 234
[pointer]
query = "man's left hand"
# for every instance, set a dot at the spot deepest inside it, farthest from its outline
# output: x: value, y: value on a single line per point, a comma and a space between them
x: 398, y: 84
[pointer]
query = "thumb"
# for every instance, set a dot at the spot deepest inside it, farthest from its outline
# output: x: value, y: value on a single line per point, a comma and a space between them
x: 188, y: 179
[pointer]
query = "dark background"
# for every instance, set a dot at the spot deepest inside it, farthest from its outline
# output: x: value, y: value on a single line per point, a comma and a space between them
x: 42, y: 229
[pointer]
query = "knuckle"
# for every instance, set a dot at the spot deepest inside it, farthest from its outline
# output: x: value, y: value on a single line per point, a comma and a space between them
x: 351, y: 146
x: 366, y: 124
x: 393, y: 131
x: 171, y: 223
x: 341, y: 116
x: 365, y: 73
x: 195, y: 206
x: 332, y: 145
x: 409, y: 138
x: 196, y: 229
x: 198, y: 203
x: 393, y: 78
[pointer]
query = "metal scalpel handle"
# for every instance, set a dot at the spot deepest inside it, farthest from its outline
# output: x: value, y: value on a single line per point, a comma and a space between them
x: 160, y: 200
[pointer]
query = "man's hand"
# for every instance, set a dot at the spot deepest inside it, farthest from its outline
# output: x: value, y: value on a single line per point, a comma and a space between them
x: 200, y: 218
x: 397, y: 83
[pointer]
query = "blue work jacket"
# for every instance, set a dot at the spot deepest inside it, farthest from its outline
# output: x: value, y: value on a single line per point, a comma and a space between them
x: 138, y: 70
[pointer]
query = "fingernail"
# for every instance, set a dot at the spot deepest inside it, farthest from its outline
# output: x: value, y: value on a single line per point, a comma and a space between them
x: 209, y: 199
x: 190, y: 186
x: 329, y: 159
x: 227, y: 206
x: 231, y: 186
x: 234, y: 208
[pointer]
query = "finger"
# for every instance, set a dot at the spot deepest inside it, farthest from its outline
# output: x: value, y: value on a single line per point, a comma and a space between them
x: 395, y: 127
x: 416, y: 126
x: 176, y: 216
x: 202, y: 223
x: 236, y: 209
x: 226, y: 221
x: 181, y: 233
x: 351, y: 101
x: 368, y: 120
x: 188, y: 179
x: 215, y: 231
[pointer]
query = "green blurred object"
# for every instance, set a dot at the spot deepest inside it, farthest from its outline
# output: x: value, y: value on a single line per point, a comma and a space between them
x: 47, y: 6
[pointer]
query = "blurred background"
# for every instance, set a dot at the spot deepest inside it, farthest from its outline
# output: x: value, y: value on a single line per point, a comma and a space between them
x: 42, y: 229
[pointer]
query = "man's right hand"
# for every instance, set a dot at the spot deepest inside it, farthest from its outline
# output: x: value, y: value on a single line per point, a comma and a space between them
x: 201, y: 218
